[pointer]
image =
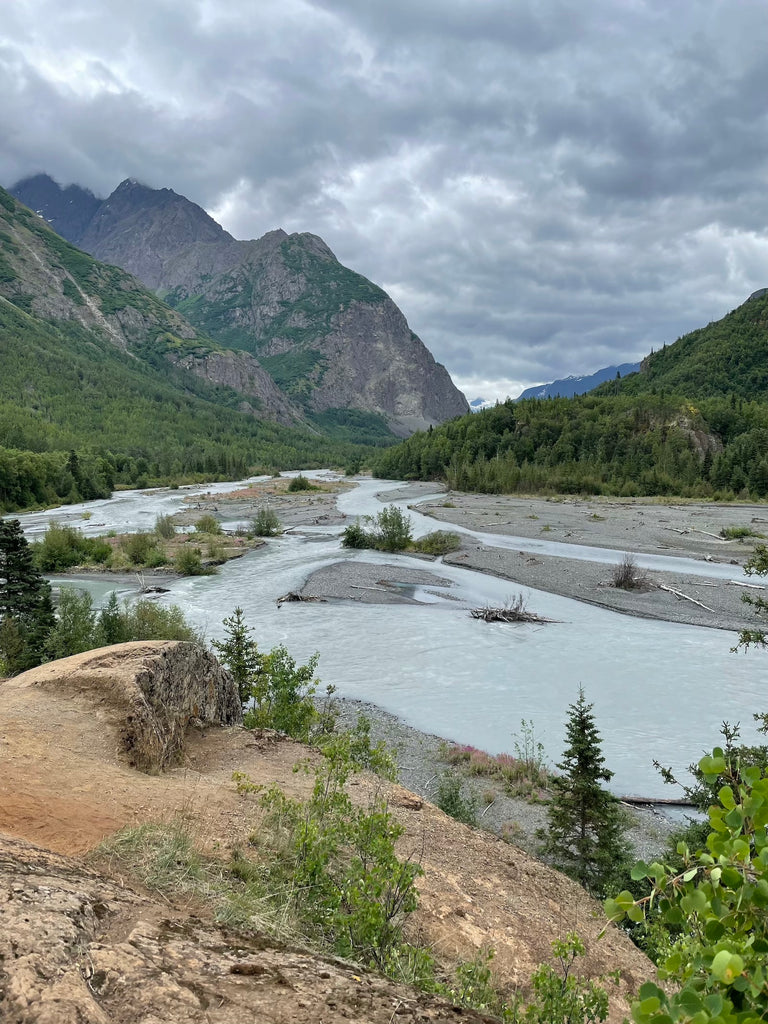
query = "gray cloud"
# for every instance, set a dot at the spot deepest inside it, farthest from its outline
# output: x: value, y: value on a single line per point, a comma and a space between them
x: 544, y: 187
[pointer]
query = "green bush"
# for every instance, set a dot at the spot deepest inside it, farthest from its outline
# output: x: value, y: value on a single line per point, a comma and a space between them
x: 282, y: 693
x: 141, y: 548
x: 164, y: 527
x: 439, y: 542
x: 76, y: 629
x: 356, y: 537
x: 390, y: 530
x: 208, y: 524
x: 451, y: 800
x: 393, y: 529
x: 300, y: 483
x: 189, y: 562
x: 265, y: 523
x: 148, y: 620
x: 64, y: 546
x: 335, y: 867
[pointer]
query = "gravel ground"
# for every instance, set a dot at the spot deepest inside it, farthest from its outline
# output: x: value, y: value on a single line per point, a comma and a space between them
x: 370, y: 583
x: 421, y: 768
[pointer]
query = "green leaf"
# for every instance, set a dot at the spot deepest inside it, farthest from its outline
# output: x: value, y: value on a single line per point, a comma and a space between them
x: 726, y: 797
x: 690, y: 1002
x: 694, y: 902
x: 639, y: 871
x: 735, y: 818
x: 727, y: 966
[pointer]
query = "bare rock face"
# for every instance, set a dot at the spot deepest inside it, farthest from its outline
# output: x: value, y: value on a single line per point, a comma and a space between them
x: 151, y: 690
x: 76, y: 946
x: 243, y: 373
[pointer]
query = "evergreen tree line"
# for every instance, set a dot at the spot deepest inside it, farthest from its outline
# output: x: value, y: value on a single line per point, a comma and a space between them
x: 596, y: 444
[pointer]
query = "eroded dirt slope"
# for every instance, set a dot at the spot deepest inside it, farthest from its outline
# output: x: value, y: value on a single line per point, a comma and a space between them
x: 66, y: 782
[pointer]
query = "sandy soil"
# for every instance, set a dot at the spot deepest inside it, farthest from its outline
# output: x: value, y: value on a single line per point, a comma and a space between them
x: 65, y: 784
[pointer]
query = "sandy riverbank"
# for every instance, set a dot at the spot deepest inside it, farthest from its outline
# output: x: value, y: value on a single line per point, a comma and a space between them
x: 421, y: 769
x: 293, y: 508
x: 678, y: 530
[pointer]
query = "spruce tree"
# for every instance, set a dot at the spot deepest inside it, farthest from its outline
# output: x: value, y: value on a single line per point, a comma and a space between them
x: 240, y: 654
x: 585, y: 836
x: 26, y: 610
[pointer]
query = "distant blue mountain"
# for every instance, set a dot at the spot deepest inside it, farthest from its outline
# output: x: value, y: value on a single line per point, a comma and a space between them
x: 479, y: 403
x: 570, y: 386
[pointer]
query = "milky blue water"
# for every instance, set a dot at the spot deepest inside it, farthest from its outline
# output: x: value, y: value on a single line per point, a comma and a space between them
x: 660, y: 690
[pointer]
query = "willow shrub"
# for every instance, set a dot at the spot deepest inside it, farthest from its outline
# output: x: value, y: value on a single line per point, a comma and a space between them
x: 717, y: 903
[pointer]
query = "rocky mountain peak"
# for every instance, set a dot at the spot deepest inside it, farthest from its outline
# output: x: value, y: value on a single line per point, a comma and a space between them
x: 330, y: 339
x: 68, y: 210
x: 141, y: 229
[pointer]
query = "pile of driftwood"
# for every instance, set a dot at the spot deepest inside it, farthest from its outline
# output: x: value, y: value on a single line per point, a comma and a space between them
x: 513, y: 611
x: 294, y: 595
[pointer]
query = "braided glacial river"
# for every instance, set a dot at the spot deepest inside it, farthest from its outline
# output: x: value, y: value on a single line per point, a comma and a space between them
x: 660, y: 690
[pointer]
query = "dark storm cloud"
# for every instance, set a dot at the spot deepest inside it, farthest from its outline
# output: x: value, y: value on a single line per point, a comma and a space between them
x: 545, y: 187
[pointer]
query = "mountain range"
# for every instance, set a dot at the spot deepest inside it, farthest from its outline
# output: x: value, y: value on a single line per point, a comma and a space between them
x: 568, y: 387
x: 334, y: 343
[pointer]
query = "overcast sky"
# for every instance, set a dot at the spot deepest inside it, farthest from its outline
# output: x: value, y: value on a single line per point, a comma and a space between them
x: 545, y: 187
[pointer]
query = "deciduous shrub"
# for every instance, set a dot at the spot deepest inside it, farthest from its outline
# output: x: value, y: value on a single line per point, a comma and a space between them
x: 64, y: 546
x: 300, y: 483
x: 715, y: 967
x: 208, y: 524
x: 164, y: 527
x: 265, y: 523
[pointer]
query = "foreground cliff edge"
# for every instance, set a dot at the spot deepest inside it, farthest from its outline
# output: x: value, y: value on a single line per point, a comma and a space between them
x: 148, y: 732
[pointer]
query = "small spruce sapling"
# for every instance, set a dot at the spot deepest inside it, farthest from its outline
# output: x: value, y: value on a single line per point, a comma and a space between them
x: 585, y: 835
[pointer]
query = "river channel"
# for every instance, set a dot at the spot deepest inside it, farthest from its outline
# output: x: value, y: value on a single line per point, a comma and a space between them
x: 660, y: 690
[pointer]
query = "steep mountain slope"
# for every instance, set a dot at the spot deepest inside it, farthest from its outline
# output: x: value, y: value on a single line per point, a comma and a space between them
x: 53, y: 281
x: 567, y: 387
x: 331, y: 339
x: 68, y: 210
x: 93, y: 362
x: 728, y: 356
x: 693, y: 422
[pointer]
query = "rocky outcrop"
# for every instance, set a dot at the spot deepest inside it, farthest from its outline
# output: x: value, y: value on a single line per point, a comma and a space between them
x: 76, y: 945
x: 151, y: 691
x: 244, y: 374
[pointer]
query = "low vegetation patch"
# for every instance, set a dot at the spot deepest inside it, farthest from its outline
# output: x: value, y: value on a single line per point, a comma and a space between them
x: 439, y: 542
x: 65, y: 547
x: 391, y: 530
x: 738, y: 533
x: 524, y: 774
x: 627, y: 575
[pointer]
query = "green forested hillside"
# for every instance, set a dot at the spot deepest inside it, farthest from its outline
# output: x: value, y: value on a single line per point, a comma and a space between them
x: 727, y: 357
x: 621, y: 445
x: 82, y: 371
x: 693, y: 422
